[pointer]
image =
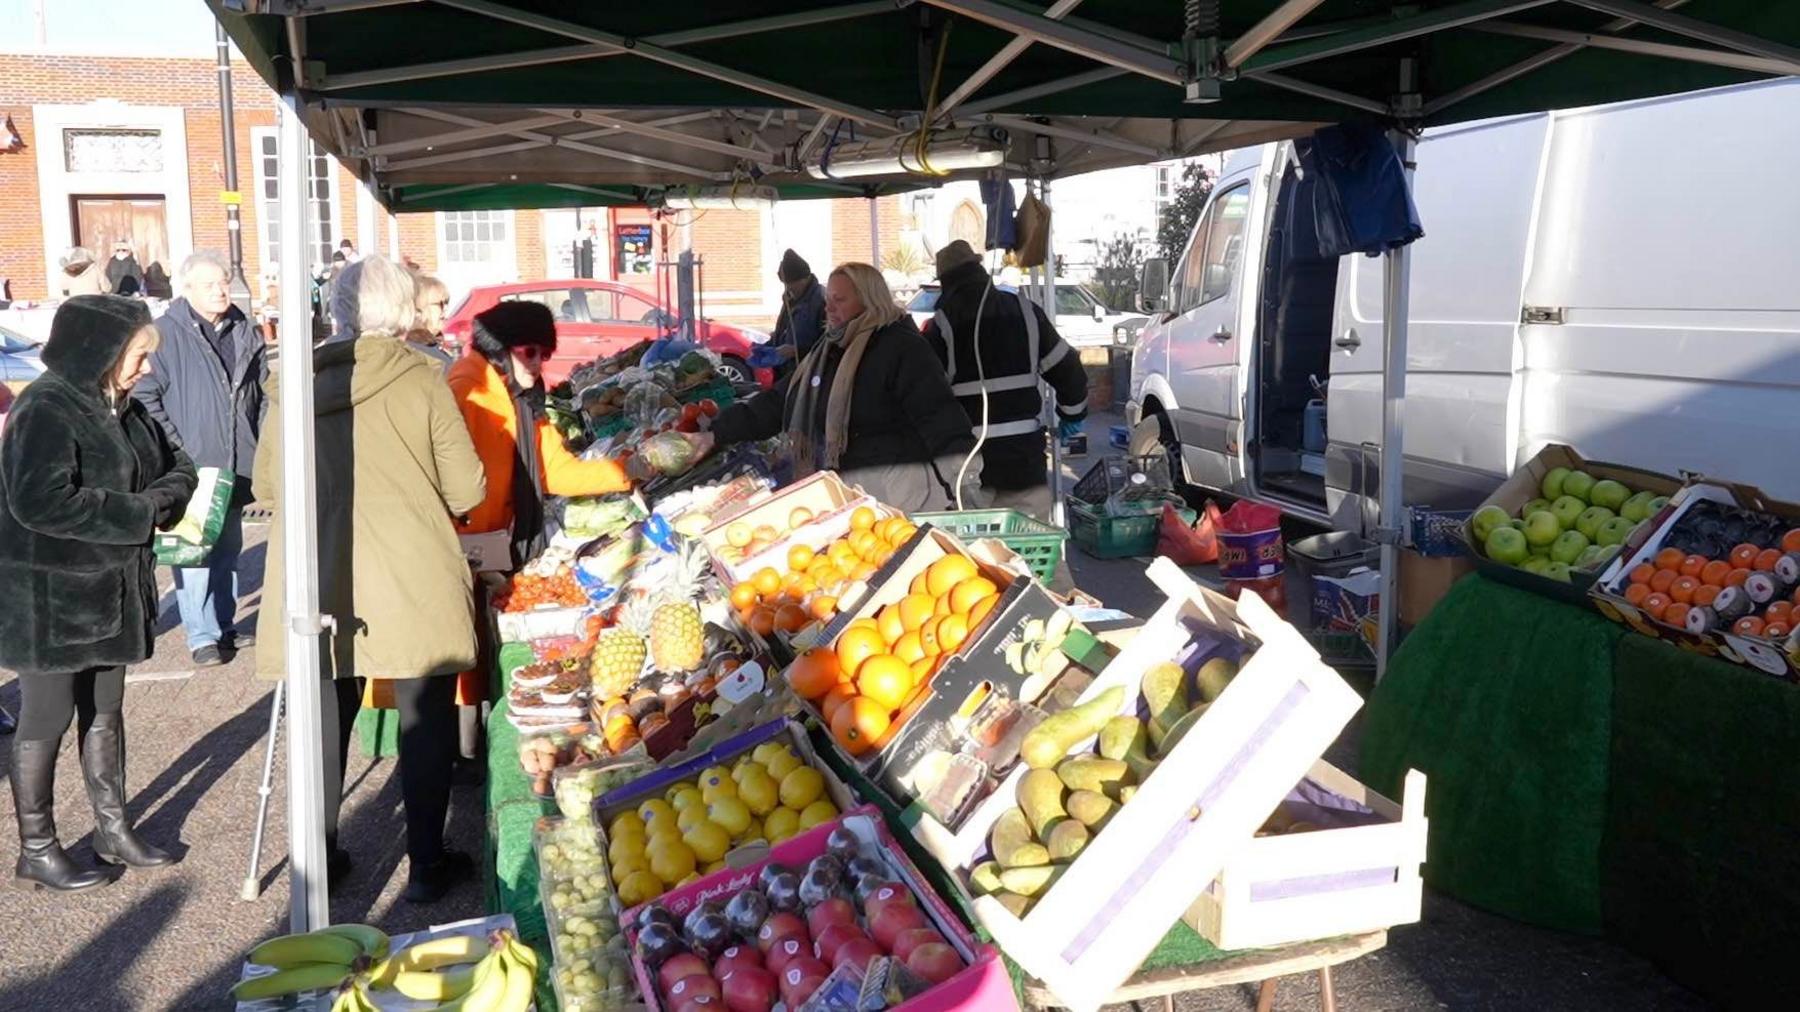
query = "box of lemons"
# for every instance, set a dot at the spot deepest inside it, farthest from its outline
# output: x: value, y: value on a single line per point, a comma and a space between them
x: 682, y: 822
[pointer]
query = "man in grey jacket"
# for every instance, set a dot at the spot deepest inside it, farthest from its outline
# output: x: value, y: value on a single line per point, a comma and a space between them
x: 206, y: 388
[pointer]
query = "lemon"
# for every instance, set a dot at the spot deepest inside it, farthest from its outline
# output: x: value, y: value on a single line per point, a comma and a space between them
x: 708, y: 840
x: 665, y: 822
x: 624, y: 847
x: 650, y: 809
x: 781, y: 824
x: 747, y: 768
x: 801, y: 787
x: 690, y: 817
x: 761, y: 793
x: 724, y: 789
x: 640, y: 887
x: 730, y: 813
x: 782, y: 763
x: 624, y: 867
x: 671, y: 860
x: 624, y: 822
x: 715, y: 866
x: 683, y: 796
x: 712, y: 776
x: 692, y: 876
x: 662, y: 838
x: 818, y: 812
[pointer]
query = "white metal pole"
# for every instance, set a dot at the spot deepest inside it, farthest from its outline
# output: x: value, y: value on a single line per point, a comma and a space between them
x: 1047, y: 395
x: 1397, y: 295
x: 308, y: 906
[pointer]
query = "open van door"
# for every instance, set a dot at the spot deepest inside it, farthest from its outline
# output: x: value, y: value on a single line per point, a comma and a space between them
x: 1477, y: 192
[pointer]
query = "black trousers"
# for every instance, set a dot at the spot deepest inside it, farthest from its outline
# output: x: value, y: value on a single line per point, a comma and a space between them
x: 51, y: 701
x: 428, y: 747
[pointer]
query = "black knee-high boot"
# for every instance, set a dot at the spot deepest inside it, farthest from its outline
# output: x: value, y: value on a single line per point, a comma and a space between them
x: 42, y: 861
x: 103, y: 767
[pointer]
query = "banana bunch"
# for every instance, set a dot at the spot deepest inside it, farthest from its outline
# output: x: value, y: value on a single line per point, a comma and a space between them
x: 462, y: 972
x: 314, y: 961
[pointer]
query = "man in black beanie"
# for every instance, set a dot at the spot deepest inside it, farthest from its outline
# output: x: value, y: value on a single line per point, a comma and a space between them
x: 802, y: 317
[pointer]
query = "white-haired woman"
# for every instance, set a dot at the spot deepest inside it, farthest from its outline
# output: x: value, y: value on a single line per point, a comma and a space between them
x: 395, y: 466
x: 432, y: 300
x: 870, y: 401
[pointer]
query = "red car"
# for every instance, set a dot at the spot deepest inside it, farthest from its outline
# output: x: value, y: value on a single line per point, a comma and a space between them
x: 598, y: 318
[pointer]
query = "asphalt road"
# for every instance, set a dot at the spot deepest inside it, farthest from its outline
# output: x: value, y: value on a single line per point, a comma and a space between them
x: 173, y: 939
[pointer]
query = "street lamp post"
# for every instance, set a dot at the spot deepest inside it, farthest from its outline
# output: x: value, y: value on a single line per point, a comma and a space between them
x: 234, y: 230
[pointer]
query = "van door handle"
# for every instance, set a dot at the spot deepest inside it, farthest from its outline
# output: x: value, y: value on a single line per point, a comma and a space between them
x: 1220, y: 336
x: 1350, y: 341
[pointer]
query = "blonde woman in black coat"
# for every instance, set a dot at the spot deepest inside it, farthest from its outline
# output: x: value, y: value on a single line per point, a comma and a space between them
x: 86, y: 477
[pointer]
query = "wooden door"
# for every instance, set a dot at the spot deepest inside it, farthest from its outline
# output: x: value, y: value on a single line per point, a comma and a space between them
x: 141, y: 221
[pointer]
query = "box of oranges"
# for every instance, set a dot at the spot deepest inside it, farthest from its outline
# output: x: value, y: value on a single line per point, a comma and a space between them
x: 724, y: 806
x: 817, y: 570
x: 811, y: 512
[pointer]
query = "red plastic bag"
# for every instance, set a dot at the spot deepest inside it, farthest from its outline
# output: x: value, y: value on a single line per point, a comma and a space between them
x: 1197, y: 545
x: 1245, y: 517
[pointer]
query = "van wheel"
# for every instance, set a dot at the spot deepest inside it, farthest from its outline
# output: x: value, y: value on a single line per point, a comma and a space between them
x: 735, y: 370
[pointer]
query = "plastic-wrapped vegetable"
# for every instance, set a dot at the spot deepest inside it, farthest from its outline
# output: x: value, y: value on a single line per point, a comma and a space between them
x: 669, y: 453
x: 645, y: 399
x: 593, y: 517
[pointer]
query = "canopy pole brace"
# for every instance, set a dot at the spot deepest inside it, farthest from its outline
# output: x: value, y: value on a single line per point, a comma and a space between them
x: 1396, y: 299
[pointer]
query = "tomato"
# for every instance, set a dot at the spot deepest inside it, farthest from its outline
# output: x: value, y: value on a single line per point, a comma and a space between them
x: 709, y: 407
x: 690, y: 413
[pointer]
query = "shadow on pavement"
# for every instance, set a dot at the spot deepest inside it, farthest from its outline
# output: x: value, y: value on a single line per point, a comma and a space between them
x: 95, y: 972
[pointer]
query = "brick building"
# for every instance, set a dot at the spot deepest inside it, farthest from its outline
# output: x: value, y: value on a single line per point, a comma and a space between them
x: 130, y: 147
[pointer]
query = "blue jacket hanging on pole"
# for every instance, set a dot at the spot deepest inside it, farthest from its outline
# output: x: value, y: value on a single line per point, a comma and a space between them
x: 1361, y: 203
x: 997, y: 198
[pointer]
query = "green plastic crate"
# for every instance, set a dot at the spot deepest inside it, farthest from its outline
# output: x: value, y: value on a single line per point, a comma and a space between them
x: 1106, y: 537
x: 1038, y: 543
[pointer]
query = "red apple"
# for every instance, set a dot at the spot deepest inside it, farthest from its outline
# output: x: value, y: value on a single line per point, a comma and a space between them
x: 777, y: 927
x: 684, y: 965
x: 750, y: 989
x: 787, y: 950
x: 857, y: 952
x: 700, y: 1003
x: 895, y: 918
x: 835, y: 910
x: 691, y: 987
x: 826, y: 945
x: 935, y: 961
x: 738, y: 957
x: 911, y: 939
x: 886, y: 895
x: 801, y: 978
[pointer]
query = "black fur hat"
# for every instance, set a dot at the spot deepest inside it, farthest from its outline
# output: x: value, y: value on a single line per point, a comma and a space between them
x: 512, y: 325
x: 88, y: 334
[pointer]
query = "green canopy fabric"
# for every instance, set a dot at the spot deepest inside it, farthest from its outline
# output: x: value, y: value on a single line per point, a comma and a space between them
x: 463, y: 104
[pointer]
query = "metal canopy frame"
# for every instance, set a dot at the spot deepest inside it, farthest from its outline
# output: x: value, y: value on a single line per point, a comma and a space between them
x: 394, y: 143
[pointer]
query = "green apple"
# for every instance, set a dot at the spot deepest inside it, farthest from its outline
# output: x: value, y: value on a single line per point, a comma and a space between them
x: 1568, y: 546
x: 1566, y: 510
x: 1588, y: 523
x: 1637, y: 507
x: 1578, y: 484
x: 1590, y: 557
x: 1516, y: 523
x: 1541, y: 551
x: 1542, y: 527
x: 1608, y: 493
x: 1553, y: 482
x: 1615, y: 531
x: 1485, y: 520
x: 1536, y: 564
x: 1557, y: 571
x: 1656, y: 505
x: 1533, y: 506
x: 1506, y: 545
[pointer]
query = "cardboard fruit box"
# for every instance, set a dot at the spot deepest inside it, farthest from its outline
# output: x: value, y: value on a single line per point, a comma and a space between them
x: 1526, y: 484
x: 983, y: 982
x: 1778, y: 657
x: 1090, y: 929
x: 822, y: 494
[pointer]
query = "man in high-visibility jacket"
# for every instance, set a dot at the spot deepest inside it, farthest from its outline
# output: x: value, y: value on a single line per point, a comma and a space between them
x: 1018, y: 349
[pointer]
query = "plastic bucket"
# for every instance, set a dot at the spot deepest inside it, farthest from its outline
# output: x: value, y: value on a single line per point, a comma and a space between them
x: 1250, y: 555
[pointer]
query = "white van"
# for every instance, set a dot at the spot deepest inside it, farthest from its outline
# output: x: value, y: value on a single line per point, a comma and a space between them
x: 1624, y: 279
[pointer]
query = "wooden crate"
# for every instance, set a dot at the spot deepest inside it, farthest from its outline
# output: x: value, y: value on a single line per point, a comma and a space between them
x: 1276, y: 890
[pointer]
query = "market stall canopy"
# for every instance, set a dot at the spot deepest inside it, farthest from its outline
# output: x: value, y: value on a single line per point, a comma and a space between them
x: 460, y: 104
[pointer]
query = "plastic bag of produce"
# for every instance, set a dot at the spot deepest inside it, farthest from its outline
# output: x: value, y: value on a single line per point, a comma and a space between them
x: 191, y: 539
x: 590, y: 517
x: 1189, y: 546
x: 670, y: 453
x: 645, y: 399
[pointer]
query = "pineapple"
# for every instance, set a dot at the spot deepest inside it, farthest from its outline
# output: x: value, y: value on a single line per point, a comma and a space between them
x: 619, y: 653
x: 677, y: 635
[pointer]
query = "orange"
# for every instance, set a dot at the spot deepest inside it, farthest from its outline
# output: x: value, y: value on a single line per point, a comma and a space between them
x: 827, y: 574
x: 1656, y: 603
x: 762, y: 621
x: 863, y: 570
x: 859, y: 724
x: 1704, y: 595
x: 914, y: 610
x: 964, y: 595
x: 1713, y: 572
x: 882, y: 554
x: 952, y: 630
x: 1636, y: 592
x: 922, y: 669
x: 799, y: 557
x: 743, y: 595
x: 1742, y: 557
x: 1693, y: 564
x: 1644, y: 571
x: 865, y: 623
x: 1780, y: 611
x: 1663, y: 579
x: 800, y: 516
x: 910, y: 648
x: 886, y: 679
x: 835, y: 697
x: 1767, y: 558
x: 1736, y: 577
x: 980, y: 611
x: 804, y: 585
x: 766, y: 581
x: 942, y: 606
x: 902, y: 533
x: 822, y: 606
x: 890, y: 623
x: 814, y: 673
x: 745, y: 613
x: 947, y: 572
x: 929, y: 638
x: 1675, y: 614
x: 884, y: 526
x: 842, y: 555
x: 864, y: 543
x: 862, y: 518
x: 918, y: 584
x: 791, y: 618
x: 1683, y: 589
x: 857, y: 644
x: 1790, y: 542
x: 1671, y: 558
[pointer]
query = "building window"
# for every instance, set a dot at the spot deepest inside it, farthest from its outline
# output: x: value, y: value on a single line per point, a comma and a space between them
x: 322, y: 196
x: 473, y: 237
x: 112, y: 150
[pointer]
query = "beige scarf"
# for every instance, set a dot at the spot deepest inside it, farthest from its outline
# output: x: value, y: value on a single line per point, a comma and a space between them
x: 803, y: 395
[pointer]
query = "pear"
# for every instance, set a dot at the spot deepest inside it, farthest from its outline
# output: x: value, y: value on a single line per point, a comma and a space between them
x: 1090, y: 808
x: 1046, y: 744
x: 1030, y: 881
x: 1040, y: 798
x: 1011, y: 841
x: 1214, y: 675
x: 985, y: 877
x: 1089, y: 773
x: 1164, y: 687
x: 1066, y: 840
x: 1119, y: 736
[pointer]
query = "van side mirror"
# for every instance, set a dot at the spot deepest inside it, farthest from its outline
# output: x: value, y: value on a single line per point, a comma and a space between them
x: 1153, y: 285
x: 1099, y: 312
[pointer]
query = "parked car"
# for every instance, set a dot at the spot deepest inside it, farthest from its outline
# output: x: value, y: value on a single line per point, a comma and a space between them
x: 596, y: 318
x: 1563, y: 292
x: 1080, y: 318
x: 19, y: 363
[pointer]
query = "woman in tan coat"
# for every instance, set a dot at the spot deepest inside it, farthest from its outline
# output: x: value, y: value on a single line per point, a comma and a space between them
x: 395, y: 467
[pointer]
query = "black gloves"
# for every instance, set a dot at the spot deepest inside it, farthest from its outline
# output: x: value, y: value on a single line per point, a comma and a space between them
x: 169, y: 505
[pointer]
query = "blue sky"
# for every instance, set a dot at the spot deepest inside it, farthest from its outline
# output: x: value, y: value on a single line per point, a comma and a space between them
x: 153, y: 26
